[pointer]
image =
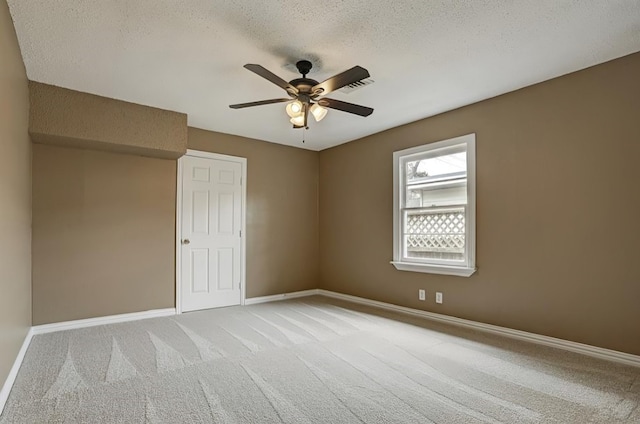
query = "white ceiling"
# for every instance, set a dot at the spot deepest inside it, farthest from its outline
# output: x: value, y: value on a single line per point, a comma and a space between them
x: 425, y: 56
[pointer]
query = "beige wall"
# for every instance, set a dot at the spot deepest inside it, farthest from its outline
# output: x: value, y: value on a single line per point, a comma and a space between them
x: 104, y: 226
x: 15, y: 197
x: 75, y: 119
x: 558, y: 209
x: 103, y: 233
x: 282, y: 211
x: 557, y: 213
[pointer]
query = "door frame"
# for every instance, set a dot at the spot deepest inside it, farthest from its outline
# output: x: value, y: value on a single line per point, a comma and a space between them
x: 243, y: 238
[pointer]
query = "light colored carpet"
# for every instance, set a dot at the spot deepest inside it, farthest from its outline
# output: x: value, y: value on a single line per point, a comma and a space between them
x: 310, y: 360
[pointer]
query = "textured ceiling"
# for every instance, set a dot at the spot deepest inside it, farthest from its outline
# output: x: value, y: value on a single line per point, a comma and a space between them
x: 425, y: 56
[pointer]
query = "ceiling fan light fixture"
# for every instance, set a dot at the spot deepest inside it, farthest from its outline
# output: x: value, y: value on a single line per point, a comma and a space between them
x: 298, y: 121
x: 294, y: 108
x: 318, y: 112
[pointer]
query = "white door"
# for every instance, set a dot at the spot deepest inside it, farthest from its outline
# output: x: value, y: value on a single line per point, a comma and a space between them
x: 211, y: 256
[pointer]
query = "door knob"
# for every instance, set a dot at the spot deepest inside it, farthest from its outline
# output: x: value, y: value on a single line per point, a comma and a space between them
x: 185, y: 241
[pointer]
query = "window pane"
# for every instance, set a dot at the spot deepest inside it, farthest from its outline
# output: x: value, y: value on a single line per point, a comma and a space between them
x: 413, y: 198
x: 435, y: 234
x: 434, y: 207
x: 428, y: 169
x: 444, y: 193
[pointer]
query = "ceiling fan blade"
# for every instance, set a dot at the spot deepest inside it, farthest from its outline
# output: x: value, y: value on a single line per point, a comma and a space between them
x: 268, y: 75
x: 260, y: 103
x: 345, y: 107
x: 336, y: 82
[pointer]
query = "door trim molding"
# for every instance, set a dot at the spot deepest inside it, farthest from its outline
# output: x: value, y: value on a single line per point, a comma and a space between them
x: 243, y: 240
x: 178, y: 235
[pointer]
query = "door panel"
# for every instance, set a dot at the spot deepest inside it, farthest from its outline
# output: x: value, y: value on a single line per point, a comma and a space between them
x: 211, y: 233
x: 199, y: 270
x: 200, y: 212
x: 226, y: 213
x: 225, y: 269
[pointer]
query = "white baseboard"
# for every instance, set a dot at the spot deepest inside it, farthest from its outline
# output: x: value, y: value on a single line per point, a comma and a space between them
x: 111, y: 319
x: 276, y: 297
x: 70, y: 325
x: 13, y: 373
x: 593, y: 351
x: 585, y: 349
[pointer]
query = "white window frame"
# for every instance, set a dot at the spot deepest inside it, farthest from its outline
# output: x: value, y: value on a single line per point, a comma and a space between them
x: 468, y: 267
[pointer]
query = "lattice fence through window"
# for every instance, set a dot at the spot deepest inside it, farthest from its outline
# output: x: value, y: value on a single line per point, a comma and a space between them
x: 436, y: 231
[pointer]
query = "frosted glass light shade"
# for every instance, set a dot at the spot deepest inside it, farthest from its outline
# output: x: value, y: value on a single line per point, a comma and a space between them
x: 318, y: 112
x: 294, y: 108
x: 298, y: 121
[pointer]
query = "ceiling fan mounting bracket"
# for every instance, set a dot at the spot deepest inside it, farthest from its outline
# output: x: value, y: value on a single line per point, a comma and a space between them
x: 304, y: 66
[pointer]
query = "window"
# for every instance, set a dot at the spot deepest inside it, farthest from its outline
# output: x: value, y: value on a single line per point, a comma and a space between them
x: 434, y: 207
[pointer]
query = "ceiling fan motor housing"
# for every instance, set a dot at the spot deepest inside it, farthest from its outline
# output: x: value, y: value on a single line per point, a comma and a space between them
x: 304, y: 66
x: 304, y: 85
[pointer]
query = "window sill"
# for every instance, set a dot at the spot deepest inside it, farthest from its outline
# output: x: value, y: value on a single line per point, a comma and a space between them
x: 434, y: 269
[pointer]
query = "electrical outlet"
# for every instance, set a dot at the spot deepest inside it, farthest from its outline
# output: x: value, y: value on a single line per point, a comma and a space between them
x: 438, y: 297
x: 422, y: 295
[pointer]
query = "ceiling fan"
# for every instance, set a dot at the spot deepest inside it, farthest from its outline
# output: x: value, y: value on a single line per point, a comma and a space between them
x: 306, y: 94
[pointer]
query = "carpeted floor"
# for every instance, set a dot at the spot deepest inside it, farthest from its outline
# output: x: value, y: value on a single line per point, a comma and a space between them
x: 311, y: 360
